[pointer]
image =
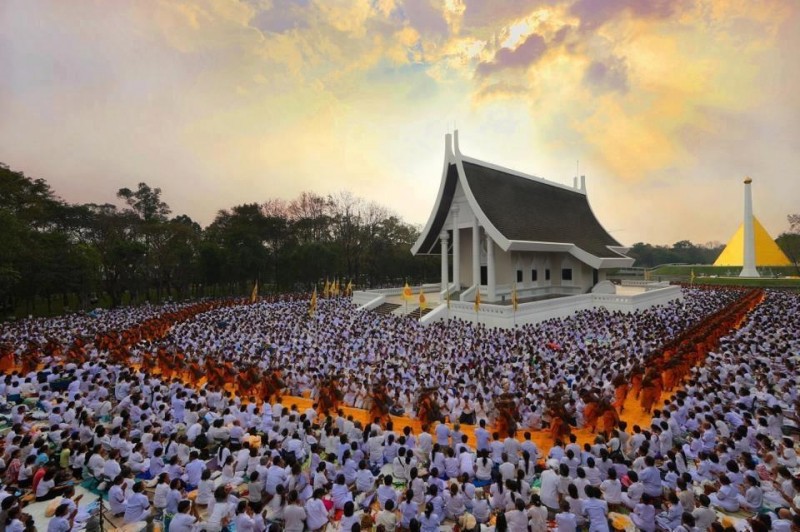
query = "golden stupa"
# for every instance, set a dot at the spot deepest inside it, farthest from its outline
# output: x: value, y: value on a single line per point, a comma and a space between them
x: 767, y: 251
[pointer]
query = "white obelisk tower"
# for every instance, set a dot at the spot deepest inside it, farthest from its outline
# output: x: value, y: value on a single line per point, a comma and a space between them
x: 749, y: 266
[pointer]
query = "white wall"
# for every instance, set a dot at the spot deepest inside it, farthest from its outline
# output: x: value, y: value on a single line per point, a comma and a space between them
x: 504, y: 316
x: 466, y: 257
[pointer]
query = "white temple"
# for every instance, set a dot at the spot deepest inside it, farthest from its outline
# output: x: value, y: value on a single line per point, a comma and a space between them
x: 499, y: 231
x: 496, y: 228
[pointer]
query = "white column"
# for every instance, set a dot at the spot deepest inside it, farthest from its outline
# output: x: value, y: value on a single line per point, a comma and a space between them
x: 749, y: 265
x: 456, y: 252
x: 443, y: 238
x: 491, y: 289
x: 476, y: 253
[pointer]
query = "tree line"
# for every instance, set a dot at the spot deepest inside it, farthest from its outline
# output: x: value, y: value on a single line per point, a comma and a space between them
x: 685, y: 252
x: 80, y: 255
x: 77, y: 256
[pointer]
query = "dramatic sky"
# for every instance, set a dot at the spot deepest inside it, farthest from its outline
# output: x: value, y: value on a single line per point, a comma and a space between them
x: 667, y: 104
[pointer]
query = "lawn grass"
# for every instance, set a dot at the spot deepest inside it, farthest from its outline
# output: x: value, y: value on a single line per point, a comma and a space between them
x: 721, y: 271
x: 723, y: 276
x: 793, y: 284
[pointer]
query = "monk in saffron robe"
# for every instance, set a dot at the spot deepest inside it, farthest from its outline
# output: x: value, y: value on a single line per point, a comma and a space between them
x: 379, y: 409
x: 506, y: 423
x: 30, y: 359
x: 6, y: 358
x: 271, y: 385
x: 590, y: 411
x: 166, y: 364
x: 194, y: 372
x: 427, y: 408
x: 147, y: 362
x: 560, y: 428
x: 651, y: 391
x: 329, y: 396
x: 637, y: 374
x: 608, y: 417
x: 621, y: 388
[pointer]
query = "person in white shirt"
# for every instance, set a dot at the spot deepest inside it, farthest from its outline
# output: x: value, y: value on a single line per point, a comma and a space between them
x: 244, y: 521
x: 194, y: 471
x: 612, y: 488
x: 644, y: 515
x: 595, y: 510
x: 161, y: 492
x: 137, y: 506
x: 205, y: 490
x: 549, y: 489
x: 316, y: 512
x: 566, y: 521
x: 387, y: 517
x: 184, y: 521
x: 62, y: 521
x: 221, y: 512
x: 294, y: 515
x: 116, y: 497
x: 635, y: 491
x: 111, y: 467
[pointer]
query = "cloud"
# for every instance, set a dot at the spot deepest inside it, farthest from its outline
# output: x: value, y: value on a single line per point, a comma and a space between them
x: 523, y: 56
x: 424, y: 17
x: 283, y: 16
x: 608, y: 75
x: 483, y: 13
x: 595, y: 13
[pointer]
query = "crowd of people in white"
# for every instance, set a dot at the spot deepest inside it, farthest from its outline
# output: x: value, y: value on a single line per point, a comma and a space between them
x: 198, y: 458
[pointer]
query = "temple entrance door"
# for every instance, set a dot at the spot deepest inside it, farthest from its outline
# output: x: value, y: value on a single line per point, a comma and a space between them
x: 484, y: 275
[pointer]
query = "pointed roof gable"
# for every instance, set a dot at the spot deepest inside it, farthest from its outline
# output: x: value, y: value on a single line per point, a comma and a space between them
x: 521, y: 212
x: 768, y: 253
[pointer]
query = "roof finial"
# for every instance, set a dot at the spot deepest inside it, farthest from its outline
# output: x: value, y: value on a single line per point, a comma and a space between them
x: 455, y: 142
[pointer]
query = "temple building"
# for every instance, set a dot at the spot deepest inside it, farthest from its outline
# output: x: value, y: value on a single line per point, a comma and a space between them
x: 514, y: 249
x: 497, y: 229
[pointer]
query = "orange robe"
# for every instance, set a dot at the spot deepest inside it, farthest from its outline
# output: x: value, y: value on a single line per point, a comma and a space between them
x: 590, y: 415
x: 620, y: 394
x: 6, y: 361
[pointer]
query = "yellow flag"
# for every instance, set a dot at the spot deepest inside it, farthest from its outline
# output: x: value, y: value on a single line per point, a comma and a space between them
x: 477, y: 300
x: 514, y: 301
x: 692, y: 276
x: 348, y: 291
x: 448, y: 299
x: 423, y: 303
x: 407, y: 292
x: 254, y: 294
x: 312, y: 306
x: 326, y: 290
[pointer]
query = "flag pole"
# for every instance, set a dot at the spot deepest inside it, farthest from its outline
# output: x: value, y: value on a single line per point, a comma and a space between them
x: 514, y: 305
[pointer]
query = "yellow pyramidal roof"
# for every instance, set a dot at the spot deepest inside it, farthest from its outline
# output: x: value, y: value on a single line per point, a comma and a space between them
x: 767, y: 251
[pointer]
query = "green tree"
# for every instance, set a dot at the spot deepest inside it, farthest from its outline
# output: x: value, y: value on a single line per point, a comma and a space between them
x: 789, y: 241
x: 145, y: 202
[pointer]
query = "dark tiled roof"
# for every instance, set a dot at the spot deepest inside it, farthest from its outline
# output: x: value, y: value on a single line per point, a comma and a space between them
x: 431, y: 243
x: 529, y: 210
